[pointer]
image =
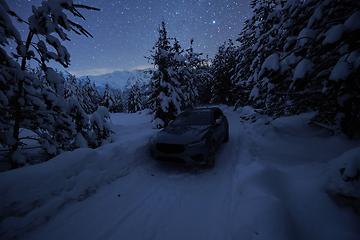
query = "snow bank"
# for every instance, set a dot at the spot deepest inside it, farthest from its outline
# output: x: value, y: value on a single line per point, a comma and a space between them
x: 271, y: 181
x: 31, y: 195
x: 344, y: 172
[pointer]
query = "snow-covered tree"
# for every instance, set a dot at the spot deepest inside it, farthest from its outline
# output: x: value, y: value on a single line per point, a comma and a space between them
x: 70, y: 87
x: 135, y: 99
x: 88, y: 96
x: 9, y: 69
x: 307, y: 58
x: 197, y: 85
x: 26, y: 101
x: 107, y: 98
x: 100, y: 128
x: 223, y: 67
x: 120, y: 101
x: 258, y: 31
x: 81, y: 121
x: 166, y: 96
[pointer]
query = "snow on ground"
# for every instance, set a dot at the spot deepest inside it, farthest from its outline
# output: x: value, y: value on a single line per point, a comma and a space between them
x: 270, y: 181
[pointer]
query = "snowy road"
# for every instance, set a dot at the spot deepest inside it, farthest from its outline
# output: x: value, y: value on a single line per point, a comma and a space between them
x: 269, y: 182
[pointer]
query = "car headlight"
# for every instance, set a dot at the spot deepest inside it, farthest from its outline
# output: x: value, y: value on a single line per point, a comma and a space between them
x: 200, y: 143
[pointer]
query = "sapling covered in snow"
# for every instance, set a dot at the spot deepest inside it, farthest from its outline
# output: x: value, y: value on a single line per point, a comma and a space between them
x: 81, y: 120
x: 100, y: 128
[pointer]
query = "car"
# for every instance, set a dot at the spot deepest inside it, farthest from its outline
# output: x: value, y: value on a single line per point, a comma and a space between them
x: 192, y: 138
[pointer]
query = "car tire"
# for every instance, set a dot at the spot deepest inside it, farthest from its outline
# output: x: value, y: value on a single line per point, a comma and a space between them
x: 211, y: 155
x: 226, y: 138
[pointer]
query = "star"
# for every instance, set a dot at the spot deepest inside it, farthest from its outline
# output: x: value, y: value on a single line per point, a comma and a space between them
x: 125, y: 31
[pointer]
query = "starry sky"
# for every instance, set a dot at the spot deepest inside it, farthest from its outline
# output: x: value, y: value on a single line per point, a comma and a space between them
x: 125, y: 31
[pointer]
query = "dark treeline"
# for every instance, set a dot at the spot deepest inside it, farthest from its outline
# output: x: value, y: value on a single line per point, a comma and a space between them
x: 299, y: 56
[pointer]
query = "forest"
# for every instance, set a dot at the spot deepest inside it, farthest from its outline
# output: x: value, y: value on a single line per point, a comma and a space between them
x: 291, y: 57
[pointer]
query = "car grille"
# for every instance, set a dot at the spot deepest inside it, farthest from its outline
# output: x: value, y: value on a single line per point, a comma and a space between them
x: 171, y: 160
x: 170, y: 148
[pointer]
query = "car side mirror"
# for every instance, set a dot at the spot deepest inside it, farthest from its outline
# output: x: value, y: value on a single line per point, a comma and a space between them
x: 218, y: 121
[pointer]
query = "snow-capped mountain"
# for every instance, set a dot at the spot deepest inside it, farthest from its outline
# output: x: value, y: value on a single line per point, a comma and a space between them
x: 122, y: 80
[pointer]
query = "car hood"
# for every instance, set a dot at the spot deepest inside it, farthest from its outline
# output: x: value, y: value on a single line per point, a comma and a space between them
x: 181, y: 134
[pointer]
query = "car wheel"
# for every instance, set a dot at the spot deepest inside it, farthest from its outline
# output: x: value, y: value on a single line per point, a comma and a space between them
x: 226, y: 138
x: 211, y: 155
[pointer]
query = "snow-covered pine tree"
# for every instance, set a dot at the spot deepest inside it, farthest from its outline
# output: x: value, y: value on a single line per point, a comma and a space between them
x: 258, y: 31
x: 89, y: 96
x: 135, y: 99
x: 335, y: 71
x: 312, y: 65
x: 9, y: 69
x: 27, y: 103
x: 70, y: 87
x: 100, y: 128
x: 120, y: 101
x: 107, y: 99
x: 81, y: 121
x: 223, y: 67
x: 166, y: 96
x: 197, y: 87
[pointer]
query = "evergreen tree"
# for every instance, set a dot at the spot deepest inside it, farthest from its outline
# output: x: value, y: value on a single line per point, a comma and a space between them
x: 251, y: 54
x: 166, y: 96
x: 198, y: 75
x: 81, y: 121
x: 135, y: 99
x: 203, y: 80
x: 310, y: 62
x: 26, y: 101
x: 107, y: 99
x: 119, y: 101
x: 70, y: 87
x: 89, y: 96
x: 100, y: 128
x: 223, y: 67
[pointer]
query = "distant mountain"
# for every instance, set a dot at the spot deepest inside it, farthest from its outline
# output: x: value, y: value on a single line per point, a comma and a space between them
x: 122, y: 80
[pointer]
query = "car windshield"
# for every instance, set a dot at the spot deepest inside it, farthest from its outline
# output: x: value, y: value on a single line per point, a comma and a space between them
x: 202, y: 117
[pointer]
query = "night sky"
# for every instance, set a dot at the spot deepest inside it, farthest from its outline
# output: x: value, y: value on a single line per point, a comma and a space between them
x: 125, y: 31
